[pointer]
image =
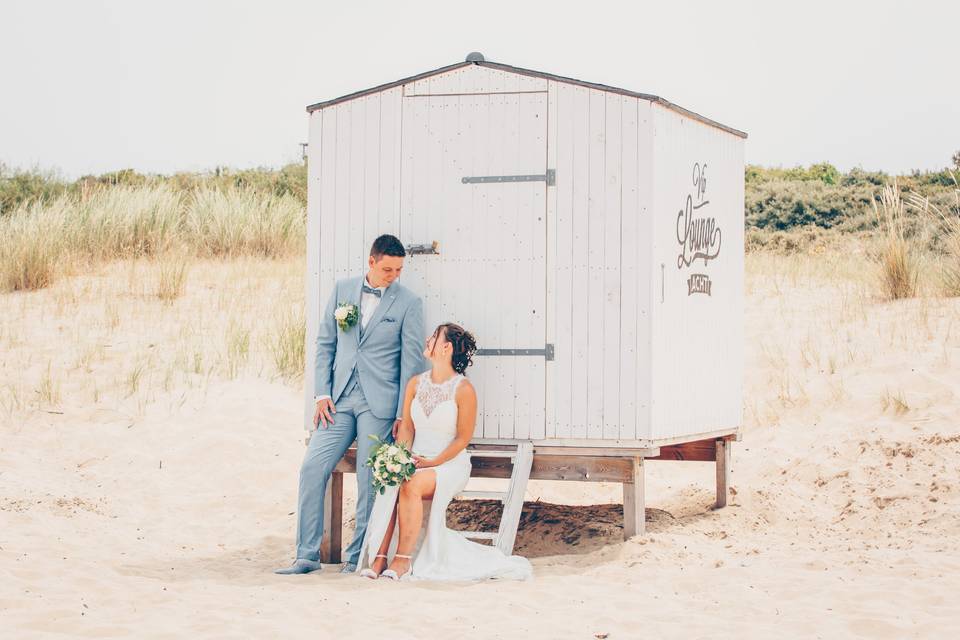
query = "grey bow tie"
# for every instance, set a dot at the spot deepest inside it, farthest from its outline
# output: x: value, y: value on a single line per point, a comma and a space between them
x: 375, y: 292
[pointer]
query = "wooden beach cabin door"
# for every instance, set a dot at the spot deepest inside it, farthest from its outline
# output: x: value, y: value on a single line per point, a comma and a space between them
x: 474, y: 180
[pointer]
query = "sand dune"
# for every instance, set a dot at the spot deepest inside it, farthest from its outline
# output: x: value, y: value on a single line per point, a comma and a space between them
x: 156, y: 504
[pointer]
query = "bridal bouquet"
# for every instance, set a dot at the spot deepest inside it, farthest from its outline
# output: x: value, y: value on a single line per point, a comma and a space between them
x: 392, y: 464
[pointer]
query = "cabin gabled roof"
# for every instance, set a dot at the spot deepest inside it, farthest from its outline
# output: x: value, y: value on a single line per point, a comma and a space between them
x: 537, y: 74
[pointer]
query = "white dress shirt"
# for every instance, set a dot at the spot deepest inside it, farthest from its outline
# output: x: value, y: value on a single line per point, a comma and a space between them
x: 368, y: 305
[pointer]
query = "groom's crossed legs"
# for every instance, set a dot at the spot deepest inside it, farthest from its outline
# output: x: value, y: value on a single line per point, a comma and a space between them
x: 353, y: 421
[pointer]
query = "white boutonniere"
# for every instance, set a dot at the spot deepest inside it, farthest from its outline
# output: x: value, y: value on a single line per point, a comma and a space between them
x: 346, y: 315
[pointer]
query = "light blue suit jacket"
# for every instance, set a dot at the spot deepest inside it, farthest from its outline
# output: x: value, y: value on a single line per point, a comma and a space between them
x: 388, y: 354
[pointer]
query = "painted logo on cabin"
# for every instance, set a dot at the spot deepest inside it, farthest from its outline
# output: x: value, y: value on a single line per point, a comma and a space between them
x: 698, y: 234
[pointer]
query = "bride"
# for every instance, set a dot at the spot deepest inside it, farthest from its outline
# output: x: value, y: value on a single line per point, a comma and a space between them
x: 439, y: 411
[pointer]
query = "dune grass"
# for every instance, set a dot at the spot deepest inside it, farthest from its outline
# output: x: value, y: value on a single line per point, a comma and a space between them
x: 42, y: 240
x: 898, y: 259
x: 945, y: 219
x: 172, y: 276
x: 287, y: 344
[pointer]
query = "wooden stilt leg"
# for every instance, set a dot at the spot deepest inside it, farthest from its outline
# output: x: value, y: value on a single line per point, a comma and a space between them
x: 332, y: 542
x: 634, y: 513
x: 723, y: 472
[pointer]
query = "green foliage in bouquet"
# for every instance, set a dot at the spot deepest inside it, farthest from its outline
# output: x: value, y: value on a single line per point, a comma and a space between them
x: 392, y: 464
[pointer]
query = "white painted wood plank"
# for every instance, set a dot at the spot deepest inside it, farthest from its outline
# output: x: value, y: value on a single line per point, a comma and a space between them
x: 357, y: 262
x: 388, y: 201
x: 431, y: 207
x: 341, y: 216
x: 448, y: 82
x: 476, y: 111
x: 580, y: 265
x: 531, y: 274
x: 612, y: 272
x: 396, y: 199
x: 416, y: 214
x: 327, y: 158
x: 596, y: 214
x: 470, y: 80
x: 630, y: 252
x: 503, y: 203
x: 509, y: 82
x: 449, y: 276
x: 563, y: 310
x: 371, y: 175
x: 312, y: 298
x: 531, y: 83
x: 648, y: 269
x: 524, y: 333
x: 506, y: 323
x: 553, y: 270
x: 521, y: 330
x: 538, y: 270
x: 408, y: 144
x: 475, y: 80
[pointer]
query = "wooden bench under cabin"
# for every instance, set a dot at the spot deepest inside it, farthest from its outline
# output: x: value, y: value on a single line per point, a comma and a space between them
x: 549, y: 463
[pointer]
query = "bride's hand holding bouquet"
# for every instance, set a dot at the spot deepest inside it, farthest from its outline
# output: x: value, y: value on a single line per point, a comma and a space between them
x: 392, y: 464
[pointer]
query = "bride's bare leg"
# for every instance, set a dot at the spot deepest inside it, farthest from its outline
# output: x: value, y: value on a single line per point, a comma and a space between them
x: 379, y: 564
x: 410, y: 512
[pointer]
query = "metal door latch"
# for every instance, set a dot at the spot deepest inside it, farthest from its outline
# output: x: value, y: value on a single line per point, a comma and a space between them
x: 432, y: 249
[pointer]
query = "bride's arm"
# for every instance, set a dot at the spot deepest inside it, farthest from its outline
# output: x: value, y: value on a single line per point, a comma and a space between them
x: 406, y: 430
x: 466, y: 418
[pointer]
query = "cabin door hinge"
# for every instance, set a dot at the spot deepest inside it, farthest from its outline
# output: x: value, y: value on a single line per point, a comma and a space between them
x: 550, y: 177
x: 547, y: 352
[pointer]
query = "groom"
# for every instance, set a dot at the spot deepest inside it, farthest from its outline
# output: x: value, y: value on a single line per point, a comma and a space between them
x: 364, y: 361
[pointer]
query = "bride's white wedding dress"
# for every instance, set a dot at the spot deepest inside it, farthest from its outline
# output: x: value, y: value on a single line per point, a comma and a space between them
x: 440, y: 554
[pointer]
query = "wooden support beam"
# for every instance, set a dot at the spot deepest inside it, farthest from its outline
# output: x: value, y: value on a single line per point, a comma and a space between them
x: 545, y: 467
x: 560, y: 468
x: 634, y: 510
x: 699, y: 451
x: 598, y: 452
x: 723, y: 472
x: 332, y: 542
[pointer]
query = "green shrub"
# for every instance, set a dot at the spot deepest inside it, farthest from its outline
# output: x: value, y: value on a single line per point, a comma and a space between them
x: 19, y: 186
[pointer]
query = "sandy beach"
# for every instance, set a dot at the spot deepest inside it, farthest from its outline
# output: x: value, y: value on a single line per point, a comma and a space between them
x: 149, y: 456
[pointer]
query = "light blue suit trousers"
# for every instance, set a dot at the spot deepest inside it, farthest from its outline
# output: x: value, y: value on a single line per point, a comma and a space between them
x: 353, y: 420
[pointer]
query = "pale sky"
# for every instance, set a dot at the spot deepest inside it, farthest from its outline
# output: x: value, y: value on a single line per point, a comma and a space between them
x: 89, y: 87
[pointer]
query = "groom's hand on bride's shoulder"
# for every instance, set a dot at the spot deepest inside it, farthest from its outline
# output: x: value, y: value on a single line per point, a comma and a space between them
x: 324, y: 412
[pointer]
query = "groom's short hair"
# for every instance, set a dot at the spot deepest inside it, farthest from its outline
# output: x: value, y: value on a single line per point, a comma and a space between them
x: 387, y: 245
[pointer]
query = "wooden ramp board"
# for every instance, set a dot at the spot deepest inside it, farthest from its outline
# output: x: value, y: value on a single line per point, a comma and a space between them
x: 520, y: 460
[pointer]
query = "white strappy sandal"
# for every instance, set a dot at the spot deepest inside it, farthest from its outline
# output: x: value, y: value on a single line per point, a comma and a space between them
x: 370, y: 573
x: 392, y: 575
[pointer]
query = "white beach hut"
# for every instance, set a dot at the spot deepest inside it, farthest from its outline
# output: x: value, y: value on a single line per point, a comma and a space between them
x: 591, y: 238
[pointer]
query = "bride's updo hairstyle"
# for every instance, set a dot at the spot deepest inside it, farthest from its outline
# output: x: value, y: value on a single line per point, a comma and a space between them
x: 463, y: 343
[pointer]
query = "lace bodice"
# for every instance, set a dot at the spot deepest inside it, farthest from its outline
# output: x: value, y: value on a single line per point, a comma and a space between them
x: 430, y: 394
